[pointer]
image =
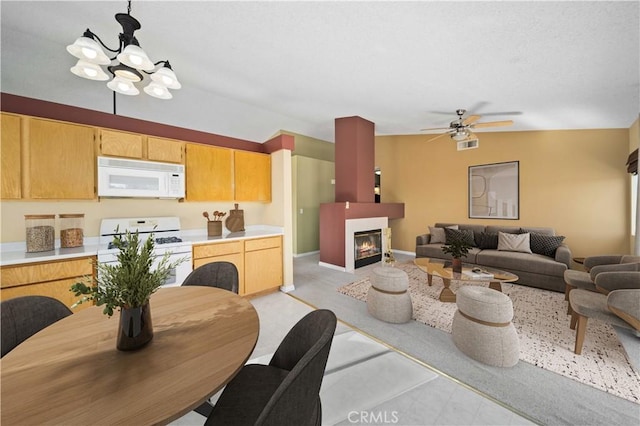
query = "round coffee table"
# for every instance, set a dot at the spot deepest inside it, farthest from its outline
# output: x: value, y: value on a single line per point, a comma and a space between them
x: 442, y: 268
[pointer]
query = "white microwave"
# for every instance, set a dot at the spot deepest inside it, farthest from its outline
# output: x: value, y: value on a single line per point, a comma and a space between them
x: 118, y: 177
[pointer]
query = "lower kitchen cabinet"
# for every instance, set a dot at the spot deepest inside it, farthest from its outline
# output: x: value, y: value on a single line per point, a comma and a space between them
x: 262, y: 264
x: 51, y: 279
x: 232, y: 251
x: 259, y: 261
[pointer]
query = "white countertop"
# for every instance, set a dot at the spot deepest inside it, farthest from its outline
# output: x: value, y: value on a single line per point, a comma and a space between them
x: 15, y: 253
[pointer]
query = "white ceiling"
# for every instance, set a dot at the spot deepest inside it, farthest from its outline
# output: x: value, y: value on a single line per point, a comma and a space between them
x: 249, y: 69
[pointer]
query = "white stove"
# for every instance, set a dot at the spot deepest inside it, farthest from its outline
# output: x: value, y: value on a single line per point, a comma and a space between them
x: 164, y: 230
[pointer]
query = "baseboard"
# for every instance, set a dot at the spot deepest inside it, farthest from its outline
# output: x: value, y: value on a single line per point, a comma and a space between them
x: 309, y: 253
x: 331, y: 266
x: 287, y: 288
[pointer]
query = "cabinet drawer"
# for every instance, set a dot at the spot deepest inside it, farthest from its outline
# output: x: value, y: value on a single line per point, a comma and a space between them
x: 43, y: 272
x: 262, y: 243
x: 217, y: 249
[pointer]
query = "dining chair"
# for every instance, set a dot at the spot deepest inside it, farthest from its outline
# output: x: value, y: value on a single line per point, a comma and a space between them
x: 287, y: 390
x: 22, y: 317
x: 219, y: 274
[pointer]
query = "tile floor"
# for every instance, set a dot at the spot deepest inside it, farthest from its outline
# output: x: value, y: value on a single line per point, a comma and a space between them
x: 367, y: 382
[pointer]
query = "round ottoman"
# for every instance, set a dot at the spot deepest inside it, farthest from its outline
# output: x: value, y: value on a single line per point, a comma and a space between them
x: 482, y: 327
x: 387, y: 298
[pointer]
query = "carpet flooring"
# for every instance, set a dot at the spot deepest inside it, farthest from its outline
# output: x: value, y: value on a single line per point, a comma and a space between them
x: 546, y: 340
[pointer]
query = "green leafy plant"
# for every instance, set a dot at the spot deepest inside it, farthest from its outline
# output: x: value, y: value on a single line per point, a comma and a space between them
x: 129, y: 283
x: 457, y: 248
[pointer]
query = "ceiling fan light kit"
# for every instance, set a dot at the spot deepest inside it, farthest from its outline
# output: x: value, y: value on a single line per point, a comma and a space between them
x: 132, y: 63
x: 459, y: 129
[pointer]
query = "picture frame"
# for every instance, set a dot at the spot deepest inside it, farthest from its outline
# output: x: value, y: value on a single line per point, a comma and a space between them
x: 494, y: 191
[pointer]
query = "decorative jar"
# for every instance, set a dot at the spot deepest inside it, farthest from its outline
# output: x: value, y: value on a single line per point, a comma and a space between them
x: 71, y: 230
x: 40, y: 232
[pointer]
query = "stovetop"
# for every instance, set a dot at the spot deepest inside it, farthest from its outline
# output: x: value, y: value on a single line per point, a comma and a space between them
x: 158, y: 241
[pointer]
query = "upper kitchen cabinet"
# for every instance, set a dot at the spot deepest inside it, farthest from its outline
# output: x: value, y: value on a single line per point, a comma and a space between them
x: 167, y: 150
x: 121, y: 144
x: 61, y: 160
x: 209, y: 173
x: 10, y: 153
x: 252, y: 172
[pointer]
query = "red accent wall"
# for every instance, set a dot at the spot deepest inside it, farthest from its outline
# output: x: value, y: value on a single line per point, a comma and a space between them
x: 355, y: 160
x: 55, y: 111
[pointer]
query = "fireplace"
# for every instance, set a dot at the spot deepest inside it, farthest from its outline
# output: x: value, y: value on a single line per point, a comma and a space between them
x: 367, y: 246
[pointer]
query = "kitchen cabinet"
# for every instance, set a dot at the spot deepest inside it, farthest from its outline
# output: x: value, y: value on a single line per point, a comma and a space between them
x: 11, y: 157
x: 116, y: 143
x: 259, y: 261
x: 61, y: 160
x: 262, y: 264
x: 51, y: 279
x: 231, y: 251
x: 120, y: 144
x: 166, y: 150
x: 252, y: 176
x: 209, y: 175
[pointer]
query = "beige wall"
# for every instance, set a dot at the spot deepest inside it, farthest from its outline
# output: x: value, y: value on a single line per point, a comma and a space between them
x: 13, y: 227
x: 574, y: 181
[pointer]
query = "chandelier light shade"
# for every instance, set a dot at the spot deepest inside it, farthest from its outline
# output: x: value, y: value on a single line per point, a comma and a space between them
x: 86, y: 69
x: 460, y: 134
x: 130, y: 63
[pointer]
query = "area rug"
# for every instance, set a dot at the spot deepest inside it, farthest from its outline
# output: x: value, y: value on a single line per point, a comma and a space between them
x: 541, y: 319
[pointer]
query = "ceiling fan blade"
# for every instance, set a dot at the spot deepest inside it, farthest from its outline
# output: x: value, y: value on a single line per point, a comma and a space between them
x: 439, y: 136
x: 492, y: 124
x: 470, y: 120
x: 436, y: 128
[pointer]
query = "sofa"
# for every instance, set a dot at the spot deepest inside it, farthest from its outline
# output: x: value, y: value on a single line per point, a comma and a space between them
x: 533, y: 269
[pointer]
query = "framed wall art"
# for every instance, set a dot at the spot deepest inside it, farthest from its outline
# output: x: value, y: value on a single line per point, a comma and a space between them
x: 494, y: 191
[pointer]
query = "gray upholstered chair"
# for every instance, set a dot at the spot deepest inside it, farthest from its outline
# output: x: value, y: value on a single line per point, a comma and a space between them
x: 287, y: 391
x: 616, y: 302
x: 595, y: 265
x: 22, y: 317
x: 215, y: 274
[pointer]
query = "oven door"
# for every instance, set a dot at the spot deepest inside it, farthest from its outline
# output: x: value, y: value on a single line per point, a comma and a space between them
x: 177, y: 274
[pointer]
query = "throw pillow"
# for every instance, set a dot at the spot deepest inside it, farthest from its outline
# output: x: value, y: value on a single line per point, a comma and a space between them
x: 486, y: 241
x: 437, y: 234
x: 545, y: 244
x: 514, y: 242
x: 465, y: 235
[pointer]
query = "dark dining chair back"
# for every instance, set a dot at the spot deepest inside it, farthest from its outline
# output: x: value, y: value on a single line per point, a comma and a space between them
x: 215, y: 274
x: 22, y: 317
x: 287, y: 391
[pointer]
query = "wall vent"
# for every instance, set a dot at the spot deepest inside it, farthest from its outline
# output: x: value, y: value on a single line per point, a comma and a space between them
x: 468, y: 144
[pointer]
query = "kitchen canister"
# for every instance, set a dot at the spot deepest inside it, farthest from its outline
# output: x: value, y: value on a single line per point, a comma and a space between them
x: 71, y: 230
x: 40, y: 232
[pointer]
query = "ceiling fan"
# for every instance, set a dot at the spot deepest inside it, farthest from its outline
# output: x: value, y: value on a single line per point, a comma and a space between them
x: 461, y: 128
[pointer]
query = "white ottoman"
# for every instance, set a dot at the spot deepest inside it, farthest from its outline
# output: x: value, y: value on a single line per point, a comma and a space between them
x: 388, y: 299
x: 482, y: 327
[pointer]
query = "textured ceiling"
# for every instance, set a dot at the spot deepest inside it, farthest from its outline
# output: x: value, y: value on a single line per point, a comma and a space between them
x: 249, y: 69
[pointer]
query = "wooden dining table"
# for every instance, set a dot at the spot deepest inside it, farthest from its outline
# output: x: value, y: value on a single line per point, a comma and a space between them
x: 71, y: 373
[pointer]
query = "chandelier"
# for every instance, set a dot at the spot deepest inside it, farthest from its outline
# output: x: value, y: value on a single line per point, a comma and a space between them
x: 131, y: 62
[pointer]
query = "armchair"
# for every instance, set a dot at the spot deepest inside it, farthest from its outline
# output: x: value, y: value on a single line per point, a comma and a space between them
x: 616, y: 301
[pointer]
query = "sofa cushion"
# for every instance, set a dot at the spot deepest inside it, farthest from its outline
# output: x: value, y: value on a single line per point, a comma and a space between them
x: 437, y: 234
x: 514, y: 242
x: 516, y: 261
x: 465, y: 235
x: 545, y: 244
x: 485, y: 240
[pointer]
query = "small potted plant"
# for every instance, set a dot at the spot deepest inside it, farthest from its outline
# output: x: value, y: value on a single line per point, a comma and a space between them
x: 128, y: 285
x: 457, y: 248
